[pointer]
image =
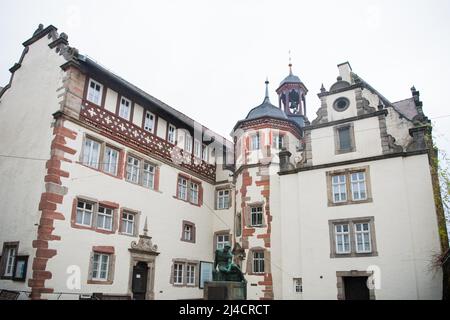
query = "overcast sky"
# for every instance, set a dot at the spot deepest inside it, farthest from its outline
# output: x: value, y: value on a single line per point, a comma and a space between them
x: 209, y: 59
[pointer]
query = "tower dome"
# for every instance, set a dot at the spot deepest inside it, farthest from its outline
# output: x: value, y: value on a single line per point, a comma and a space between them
x: 266, y: 109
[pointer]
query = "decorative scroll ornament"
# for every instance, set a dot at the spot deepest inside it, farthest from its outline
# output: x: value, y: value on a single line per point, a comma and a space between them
x: 145, y: 244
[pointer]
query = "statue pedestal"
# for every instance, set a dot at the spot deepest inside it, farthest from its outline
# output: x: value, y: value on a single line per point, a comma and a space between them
x: 225, y: 290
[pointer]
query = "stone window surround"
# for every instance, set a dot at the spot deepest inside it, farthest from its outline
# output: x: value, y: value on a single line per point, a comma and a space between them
x: 221, y: 233
x: 238, y: 224
x: 337, y: 148
x: 141, y: 171
x: 335, y: 104
x: 119, y: 100
x: 103, y: 145
x: 351, y: 222
x: 86, y: 90
x: 109, y: 250
x: 353, y: 273
x: 249, y: 265
x: 95, y: 205
x: 230, y: 197
x: 3, y: 257
x: 193, y: 231
x: 189, y: 180
x: 248, y: 212
x: 347, y: 172
x: 137, y: 216
x: 184, y: 263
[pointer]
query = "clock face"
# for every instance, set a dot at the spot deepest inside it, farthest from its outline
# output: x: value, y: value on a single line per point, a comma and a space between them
x: 341, y: 104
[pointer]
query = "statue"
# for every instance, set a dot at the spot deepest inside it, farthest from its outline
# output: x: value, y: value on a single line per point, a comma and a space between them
x: 224, y: 268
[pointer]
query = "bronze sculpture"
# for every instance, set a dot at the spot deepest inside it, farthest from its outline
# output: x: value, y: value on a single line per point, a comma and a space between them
x: 224, y: 268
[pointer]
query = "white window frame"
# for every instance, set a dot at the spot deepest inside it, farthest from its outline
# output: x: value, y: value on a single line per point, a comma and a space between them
x: 194, y: 192
x: 178, y: 272
x: 133, y: 169
x: 341, y: 188
x: 97, y: 266
x: 188, y: 232
x: 172, y: 135
x: 188, y: 143
x: 149, y: 122
x: 123, y: 107
x: 258, y: 262
x: 278, y: 141
x: 11, y: 253
x: 197, y: 149
x: 340, y: 236
x: 205, y: 153
x: 256, y: 211
x: 363, y: 233
x: 358, y: 186
x: 125, y: 221
x: 150, y: 171
x: 93, y: 95
x: 107, y: 160
x: 84, y: 212
x: 104, y: 215
x: 255, y: 142
x: 89, y: 158
x: 182, y: 188
x: 221, y: 240
x: 223, y: 199
x: 190, y: 274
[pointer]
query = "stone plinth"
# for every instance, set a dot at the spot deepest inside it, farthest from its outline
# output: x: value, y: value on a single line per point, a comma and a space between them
x: 225, y: 290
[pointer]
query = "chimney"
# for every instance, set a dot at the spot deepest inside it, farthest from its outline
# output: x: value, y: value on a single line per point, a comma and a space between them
x: 344, y: 71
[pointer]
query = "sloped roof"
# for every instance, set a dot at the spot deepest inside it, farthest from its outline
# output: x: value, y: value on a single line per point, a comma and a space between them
x: 406, y: 108
x: 266, y: 109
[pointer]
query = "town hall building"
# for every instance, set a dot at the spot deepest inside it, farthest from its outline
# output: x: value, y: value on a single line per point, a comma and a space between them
x: 109, y: 192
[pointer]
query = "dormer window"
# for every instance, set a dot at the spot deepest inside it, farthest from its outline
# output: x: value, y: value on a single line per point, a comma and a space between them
x: 205, y: 153
x: 344, y: 138
x: 149, y: 122
x: 188, y: 146
x: 197, y: 149
x: 95, y: 91
x: 171, y: 134
x: 125, y: 108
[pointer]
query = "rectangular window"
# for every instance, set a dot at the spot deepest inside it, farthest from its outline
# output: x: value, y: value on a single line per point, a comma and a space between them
x: 149, y: 122
x: 125, y: 108
x: 110, y: 160
x: 342, y: 238
x: 178, y: 273
x: 133, y: 169
x: 190, y: 275
x: 352, y: 237
x: 258, y: 262
x: 10, y: 257
x: 128, y: 220
x: 100, y: 267
x: 171, y: 134
x: 345, y: 142
x: 339, y: 186
x: 256, y: 216
x: 254, y: 142
x: 298, y: 286
x: 91, y: 153
x: 362, y: 234
x: 182, y: 188
x: 222, y: 240
x: 188, y: 146
x: 197, y: 149
x: 148, y: 175
x: 205, y: 153
x: 187, y: 232
x: 95, y: 91
x: 278, y: 141
x: 84, y: 213
x: 223, y: 199
x: 105, y: 218
x: 194, y: 192
x: 358, y: 183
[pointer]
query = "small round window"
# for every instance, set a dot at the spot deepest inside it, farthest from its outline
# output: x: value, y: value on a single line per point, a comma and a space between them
x: 341, y: 104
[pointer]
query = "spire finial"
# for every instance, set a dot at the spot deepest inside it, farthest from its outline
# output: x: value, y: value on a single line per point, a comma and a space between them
x: 145, y: 227
x: 266, y: 97
x: 290, y: 63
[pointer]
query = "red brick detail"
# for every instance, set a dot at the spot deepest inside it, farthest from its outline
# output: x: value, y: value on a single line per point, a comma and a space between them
x: 103, y: 249
x: 47, y: 205
x: 157, y: 173
x: 263, y: 236
x: 265, y: 283
x: 109, y: 204
x: 248, y: 232
x: 121, y: 169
